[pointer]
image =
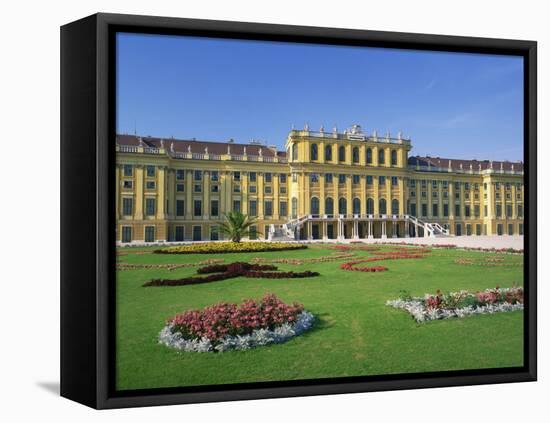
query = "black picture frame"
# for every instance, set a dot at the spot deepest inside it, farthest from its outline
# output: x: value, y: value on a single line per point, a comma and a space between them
x: 88, y: 220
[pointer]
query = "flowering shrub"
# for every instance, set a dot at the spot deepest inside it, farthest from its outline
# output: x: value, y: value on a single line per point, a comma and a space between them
x: 220, y: 272
x: 226, y: 326
x: 230, y: 247
x: 460, y: 304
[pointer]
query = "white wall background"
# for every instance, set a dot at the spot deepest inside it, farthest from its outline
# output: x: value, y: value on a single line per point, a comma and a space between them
x: 29, y: 98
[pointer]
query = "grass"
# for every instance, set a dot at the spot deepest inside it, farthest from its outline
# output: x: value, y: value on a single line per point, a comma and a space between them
x: 356, y: 333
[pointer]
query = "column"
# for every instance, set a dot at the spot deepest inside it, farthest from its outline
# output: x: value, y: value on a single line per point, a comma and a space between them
x: 260, y: 196
x: 321, y: 194
x: 205, y: 193
x: 440, y: 199
x: 388, y: 195
x: 189, y: 194
x: 393, y: 231
x: 275, y: 195
x: 355, y: 230
x: 171, y: 186
x: 383, y: 222
x: 244, y: 192
x: 376, y: 196
x: 429, y: 194
x: 309, y: 226
x: 407, y: 228
x: 363, y: 196
x: 349, y: 195
x: 402, y: 195
x: 324, y: 230
x: 369, y: 226
x: 138, y: 212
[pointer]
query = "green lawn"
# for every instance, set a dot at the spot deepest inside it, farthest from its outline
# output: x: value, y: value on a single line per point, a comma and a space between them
x: 356, y: 333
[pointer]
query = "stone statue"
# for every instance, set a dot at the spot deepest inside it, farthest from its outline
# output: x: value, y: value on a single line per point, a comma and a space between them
x: 172, y: 147
x: 322, y: 129
x: 161, y: 143
x: 260, y: 152
x: 205, y: 150
x: 306, y: 127
x: 228, y: 149
x: 189, y: 149
x: 244, y: 150
x: 141, y: 143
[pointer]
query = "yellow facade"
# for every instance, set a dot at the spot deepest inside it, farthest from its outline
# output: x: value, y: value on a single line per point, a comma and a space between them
x: 376, y: 190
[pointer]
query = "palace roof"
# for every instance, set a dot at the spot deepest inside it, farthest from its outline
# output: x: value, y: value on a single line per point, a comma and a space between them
x: 459, y: 164
x: 194, y: 146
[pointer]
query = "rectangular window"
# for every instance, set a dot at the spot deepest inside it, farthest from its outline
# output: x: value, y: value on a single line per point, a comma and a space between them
x: 268, y: 208
x: 356, y: 179
x: 412, y: 210
x: 282, y: 190
x: 520, y: 229
x: 445, y: 184
x: 476, y: 210
x: 237, y: 205
x: 128, y: 171
x: 467, y: 195
x: 369, y: 179
x: 294, y: 177
x: 197, y: 208
x: 499, y: 210
x: 198, y: 188
x: 457, y: 196
x: 434, y: 194
x: 180, y: 233
x: 126, y: 234
x: 510, y: 229
x: 435, y: 210
x: 457, y: 210
x: 314, y: 177
x: 468, y: 229
x: 150, y: 205
x: 328, y: 178
x: 252, y: 176
x: 341, y: 178
x: 413, y: 194
x: 236, y: 188
x: 214, y: 208
x: 509, y: 210
x: 268, y: 177
x: 382, y: 180
x: 394, y: 181
x: 434, y: 184
x: 149, y: 234
x: 520, y: 211
x: 150, y: 185
x: 424, y: 210
x: 215, y: 176
x: 252, y: 208
x: 283, y: 210
x: 127, y: 184
x: 266, y: 231
x: 485, y: 212
x: 236, y: 176
x: 424, y: 194
x: 467, y: 186
x: 467, y: 211
x: 253, y: 233
x: 445, y: 210
x: 197, y: 175
x: 267, y: 189
x: 252, y: 189
x: 214, y: 236
x: 412, y: 183
x: 197, y: 233
x: 180, y: 175
x: 180, y: 187
x: 127, y: 206
x: 424, y: 183
x: 478, y: 229
x: 180, y: 207
x: 150, y: 170
x: 457, y: 186
x: 282, y: 178
x: 445, y: 194
x: 215, y: 188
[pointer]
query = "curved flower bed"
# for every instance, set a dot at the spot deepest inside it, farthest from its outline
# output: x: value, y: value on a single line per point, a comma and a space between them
x: 488, y: 262
x: 226, y: 326
x: 460, y: 304
x: 167, y: 266
x: 227, y: 271
x: 454, y: 246
x: 323, y: 259
x: 230, y: 247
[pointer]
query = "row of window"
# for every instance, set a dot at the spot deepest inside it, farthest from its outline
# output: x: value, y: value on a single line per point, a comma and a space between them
x: 343, y: 206
x: 356, y: 179
x: 355, y: 154
x: 467, y: 185
x: 467, y: 210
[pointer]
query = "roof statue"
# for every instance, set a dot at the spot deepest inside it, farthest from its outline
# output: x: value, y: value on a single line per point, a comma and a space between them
x: 306, y: 127
x: 189, y: 149
x: 356, y: 129
x: 228, y: 149
x: 244, y: 150
x: 322, y: 129
x: 172, y: 147
x: 141, y: 143
x: 399, y: 135
x: 161, y: 143
x: 260, y: 152
x: 335, y: 129
x: 205, y: 150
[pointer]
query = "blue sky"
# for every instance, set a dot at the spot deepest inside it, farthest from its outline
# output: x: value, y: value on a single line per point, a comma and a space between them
x: 452, y: 105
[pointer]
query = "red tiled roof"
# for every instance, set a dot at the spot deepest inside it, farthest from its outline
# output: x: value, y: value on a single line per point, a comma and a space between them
x: 200, y: 146
x: 455, y: 163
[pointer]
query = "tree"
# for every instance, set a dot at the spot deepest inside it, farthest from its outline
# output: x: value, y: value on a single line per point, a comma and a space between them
x: 236, y: 225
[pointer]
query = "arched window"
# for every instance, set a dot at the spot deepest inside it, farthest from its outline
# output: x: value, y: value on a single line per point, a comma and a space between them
x: 369, y: 156
x: 355, y: 154
x: 382, y: 206
x: 370, y: 206
x: 294, y: 207
x: 394, y: 206
x: 294, y: 152
x: 314, y: 152
x: 356, y: 206
x: 328, y: 153
x: 342, y: 206
x: 329, y: 205
x: 381, y: 156
x: 314, y: 209
x: 342, y: 153
x: 394, y: 158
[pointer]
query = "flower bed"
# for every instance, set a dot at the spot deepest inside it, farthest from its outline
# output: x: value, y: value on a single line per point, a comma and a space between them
x: 167, y: 266
x: 227, y: 271
x: 351, y: 266
x: 323, y: 259
x: 460, y: 304
x: 225, y: 326
x: 488, y: 262
x: 454, y: 246
x: 230, y: 247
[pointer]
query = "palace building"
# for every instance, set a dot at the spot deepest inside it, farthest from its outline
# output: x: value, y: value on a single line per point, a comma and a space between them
x: 326, y: 185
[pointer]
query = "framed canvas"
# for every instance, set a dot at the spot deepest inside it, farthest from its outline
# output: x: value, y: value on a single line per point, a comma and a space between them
x: 242, y: 217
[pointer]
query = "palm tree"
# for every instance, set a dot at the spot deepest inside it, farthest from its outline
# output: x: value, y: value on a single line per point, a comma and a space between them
x: 236, y: 225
